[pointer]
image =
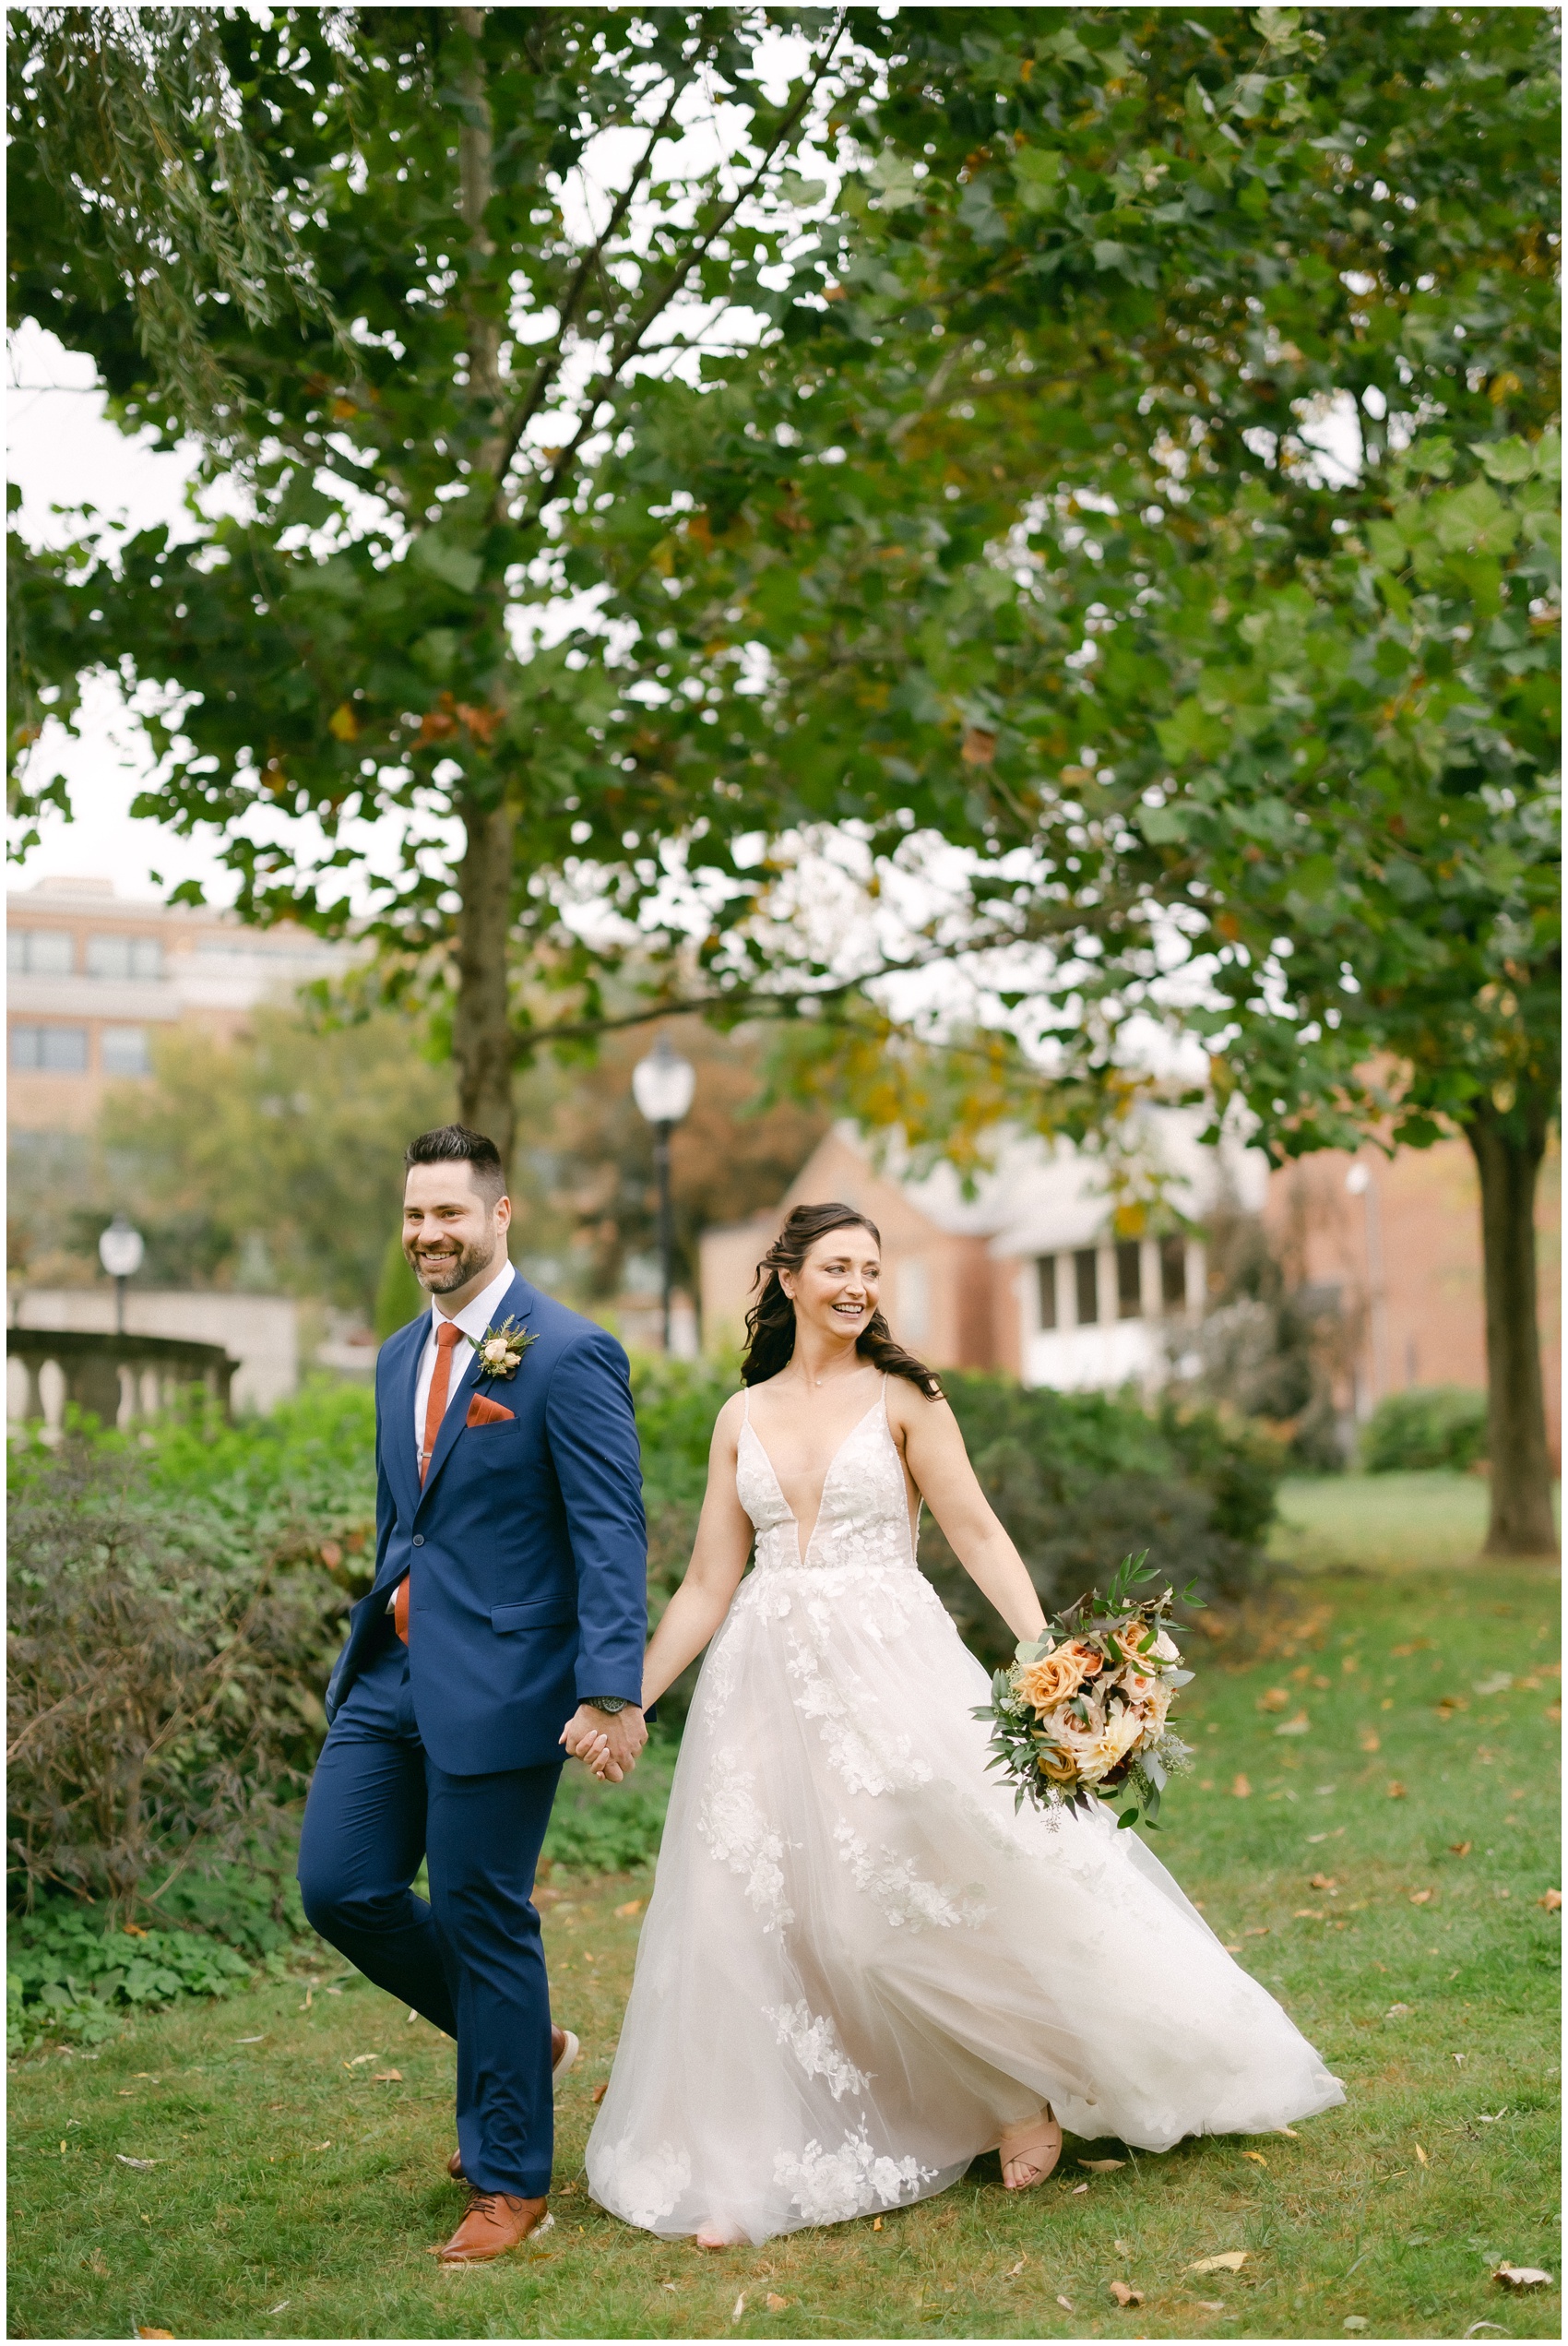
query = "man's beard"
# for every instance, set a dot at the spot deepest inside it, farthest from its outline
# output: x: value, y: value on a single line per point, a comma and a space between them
x: 440, y: 1278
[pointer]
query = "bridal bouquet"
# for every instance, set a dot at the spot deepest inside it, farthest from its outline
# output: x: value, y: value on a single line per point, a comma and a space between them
x: 1081, y: 1715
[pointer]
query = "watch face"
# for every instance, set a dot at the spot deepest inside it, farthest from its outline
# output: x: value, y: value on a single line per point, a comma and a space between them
x: 608, y: 1703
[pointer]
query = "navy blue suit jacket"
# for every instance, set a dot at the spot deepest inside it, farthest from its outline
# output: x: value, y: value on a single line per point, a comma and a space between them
x: 526, y: 1551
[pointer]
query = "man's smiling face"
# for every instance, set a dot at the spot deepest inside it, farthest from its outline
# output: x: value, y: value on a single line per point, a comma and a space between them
x: 452, y: 1235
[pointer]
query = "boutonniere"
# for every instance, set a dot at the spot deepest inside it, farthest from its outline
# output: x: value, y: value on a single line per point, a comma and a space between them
x: 501, y: 1348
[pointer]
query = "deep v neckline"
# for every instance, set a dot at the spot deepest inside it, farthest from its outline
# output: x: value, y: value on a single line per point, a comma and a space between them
x: 803, y: 1552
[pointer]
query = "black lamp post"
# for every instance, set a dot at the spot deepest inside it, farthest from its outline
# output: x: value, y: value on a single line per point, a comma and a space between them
x: 119, y: 1250
x: 662, y: 1085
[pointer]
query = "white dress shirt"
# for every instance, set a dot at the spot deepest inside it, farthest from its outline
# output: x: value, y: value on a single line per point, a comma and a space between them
x: 473, y: 1319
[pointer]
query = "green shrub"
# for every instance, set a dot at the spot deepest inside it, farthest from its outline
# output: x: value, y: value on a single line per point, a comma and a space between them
x: 167, y: 1645
x: 1430, y: 1425
x: 1081, y: 1480
x: 609, y: 1828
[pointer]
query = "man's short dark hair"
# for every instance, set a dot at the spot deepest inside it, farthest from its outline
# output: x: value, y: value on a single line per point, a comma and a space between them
x: 456, y: 1145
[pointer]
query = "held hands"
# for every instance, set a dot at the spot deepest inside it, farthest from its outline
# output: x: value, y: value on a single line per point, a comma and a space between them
x: 607, y: 1746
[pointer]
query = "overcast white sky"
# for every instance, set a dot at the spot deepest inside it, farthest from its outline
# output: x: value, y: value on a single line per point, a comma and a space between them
x: 62, y: 452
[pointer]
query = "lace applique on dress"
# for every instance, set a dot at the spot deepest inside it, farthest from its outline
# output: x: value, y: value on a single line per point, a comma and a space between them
x: 829, y: 2186
x: 815, y: 2044
x: 906, y: 1901
x: 647, y: 2184
x: 741, y: 1837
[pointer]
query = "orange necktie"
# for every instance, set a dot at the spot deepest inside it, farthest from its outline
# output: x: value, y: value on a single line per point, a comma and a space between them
x: 447, y: 1334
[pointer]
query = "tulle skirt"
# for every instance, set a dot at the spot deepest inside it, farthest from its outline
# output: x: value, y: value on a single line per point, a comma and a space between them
x: 859, y: 1963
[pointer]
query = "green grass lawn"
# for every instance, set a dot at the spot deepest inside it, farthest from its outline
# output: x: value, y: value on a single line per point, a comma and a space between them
x: 295, y: 2187
x: 1383, y: 1523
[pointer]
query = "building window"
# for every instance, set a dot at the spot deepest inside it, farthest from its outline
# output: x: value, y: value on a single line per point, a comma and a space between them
x: 1045, y: 1270
x: 55, y: 1050
x: 123, y: 1051
x: 1129, y: 1280
x: 914, y: 1301
x: 1173, y: 1274
x: 39, y: 953
x: 1086, y: 1278
x: 124, y: 957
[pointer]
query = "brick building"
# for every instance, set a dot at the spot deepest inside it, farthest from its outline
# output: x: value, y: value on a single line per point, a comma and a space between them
x: 1029, y: 1276
x: 93, y: 977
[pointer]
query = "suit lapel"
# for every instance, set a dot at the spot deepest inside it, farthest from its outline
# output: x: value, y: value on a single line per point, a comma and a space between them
x: 517, y: 1303
x: 400, y: 1442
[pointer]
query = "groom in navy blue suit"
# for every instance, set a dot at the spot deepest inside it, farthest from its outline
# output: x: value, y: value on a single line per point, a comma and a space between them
x: 505, y: 1625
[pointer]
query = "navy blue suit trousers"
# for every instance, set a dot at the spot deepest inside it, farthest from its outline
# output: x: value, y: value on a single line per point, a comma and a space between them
x: 470, y: 1960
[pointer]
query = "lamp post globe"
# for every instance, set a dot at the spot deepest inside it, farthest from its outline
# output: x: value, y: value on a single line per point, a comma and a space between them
x: 119, y: 1250
x: 662, y: 1085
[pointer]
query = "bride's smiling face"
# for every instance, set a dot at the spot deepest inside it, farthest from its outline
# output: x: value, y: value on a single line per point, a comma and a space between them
x: 835, y: 1290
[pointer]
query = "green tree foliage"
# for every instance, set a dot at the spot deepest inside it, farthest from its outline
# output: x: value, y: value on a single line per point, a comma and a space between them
x: 1061, y: 566
x: 501, y: 207
x: 279, y: 1154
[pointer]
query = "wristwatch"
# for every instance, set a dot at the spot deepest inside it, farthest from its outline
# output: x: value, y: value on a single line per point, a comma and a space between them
x: 610, y: 1704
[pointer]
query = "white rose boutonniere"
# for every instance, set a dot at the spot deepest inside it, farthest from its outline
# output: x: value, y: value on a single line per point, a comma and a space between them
x: 501, y: 1348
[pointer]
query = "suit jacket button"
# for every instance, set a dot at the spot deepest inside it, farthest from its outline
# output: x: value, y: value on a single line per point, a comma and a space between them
x: 418, y: 1540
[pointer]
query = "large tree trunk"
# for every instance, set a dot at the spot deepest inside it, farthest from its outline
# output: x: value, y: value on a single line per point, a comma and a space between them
x: 1508, y: 1151
x: 482, y: 1037
x: 481, y: 1029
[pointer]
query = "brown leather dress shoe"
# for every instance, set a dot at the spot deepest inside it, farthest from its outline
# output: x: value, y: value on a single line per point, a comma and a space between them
x: 564, y: 2052
x: 494, y: 2224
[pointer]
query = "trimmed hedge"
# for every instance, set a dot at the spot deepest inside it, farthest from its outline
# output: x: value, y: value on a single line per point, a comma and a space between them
x: 1430, y: 1425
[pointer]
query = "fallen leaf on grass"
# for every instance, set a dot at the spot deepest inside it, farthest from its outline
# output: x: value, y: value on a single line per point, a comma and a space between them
x: 1258, y: 1931
x: 1232, y: 1947
x: 360, y: 2059
x: 1275, y: 1698
x: 1397, y: 2012
x: 1077, y: 2187
x: 1497, y: 1684
x: 1522, y: 2277
x: 1324, y: 1882
x: 1300, y: 1725
x: 1121, y: 2247
x: 1230, y: 2261
x: 141, y: 2165
x: 1210, y: 2305
x: 1397, y: 1792
x: 739, y: 2307
x: 1125, y: 2296
x: 1460, y: 1848
x: 282, y: 2306
x: 1423, y: 1898
x: 1551, y: 1900
x: 251, y: 2040
x: 877, y: 2225
x: 387, y: 2077
x: 632, y: 1906
x: 1308, y: 1914
x: 1490, y: 2119
x: 1065, y: 2304
x: 775, y: 2304
x: 1354, y: 2321
x: 1422, y: 2156
x: 1102, y: 2166
x: 601, y: 2090
x: 1290, y: 2131
x: 1257, y: 2156
x: 1014, y: 2271
x: 1370, y: 1740
x: 1240, y: 1788
x: 155, y: 2333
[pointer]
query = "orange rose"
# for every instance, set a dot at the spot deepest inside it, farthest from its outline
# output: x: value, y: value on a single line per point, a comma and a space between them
x: 1050, y: 1680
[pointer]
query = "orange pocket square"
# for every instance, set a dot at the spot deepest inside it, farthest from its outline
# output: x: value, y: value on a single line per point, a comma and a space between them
x: 484, y: 1412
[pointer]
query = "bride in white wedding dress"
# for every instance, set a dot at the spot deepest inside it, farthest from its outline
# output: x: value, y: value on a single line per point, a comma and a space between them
x: 859, y: 1968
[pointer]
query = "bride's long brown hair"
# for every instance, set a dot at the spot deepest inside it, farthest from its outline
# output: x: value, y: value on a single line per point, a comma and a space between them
x: 770, y: 1323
